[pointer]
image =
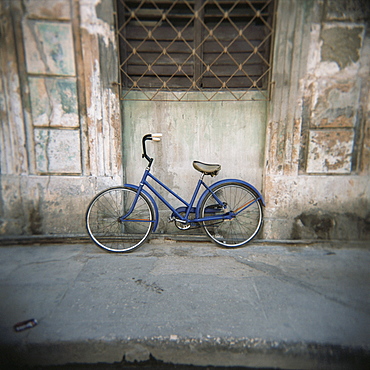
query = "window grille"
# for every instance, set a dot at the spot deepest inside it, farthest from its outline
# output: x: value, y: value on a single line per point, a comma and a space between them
x: 185, y: 46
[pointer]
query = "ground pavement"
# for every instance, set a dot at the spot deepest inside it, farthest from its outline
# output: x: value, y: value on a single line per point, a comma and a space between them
x: 270, y: 305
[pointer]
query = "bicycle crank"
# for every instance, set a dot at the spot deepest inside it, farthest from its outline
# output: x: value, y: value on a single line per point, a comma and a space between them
x: 182, y: 225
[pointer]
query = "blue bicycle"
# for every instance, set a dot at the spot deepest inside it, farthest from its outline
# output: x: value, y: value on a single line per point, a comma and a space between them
x: 120, y: 219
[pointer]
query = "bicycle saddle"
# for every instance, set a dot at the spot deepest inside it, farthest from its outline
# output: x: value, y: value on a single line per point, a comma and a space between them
x: 207, y: 169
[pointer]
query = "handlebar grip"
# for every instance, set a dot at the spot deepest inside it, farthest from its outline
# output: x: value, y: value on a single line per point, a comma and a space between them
x: 156, y: 137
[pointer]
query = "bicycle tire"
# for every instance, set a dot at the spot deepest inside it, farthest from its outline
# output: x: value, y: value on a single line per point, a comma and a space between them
x: 108, y: 231
x: 244, y: 226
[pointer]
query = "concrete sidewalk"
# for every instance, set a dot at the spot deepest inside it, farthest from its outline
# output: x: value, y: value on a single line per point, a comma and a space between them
x: 276, y: 306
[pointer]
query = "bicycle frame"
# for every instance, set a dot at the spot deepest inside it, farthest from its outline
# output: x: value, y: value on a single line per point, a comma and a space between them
x: 121, y: 218
x: 189, y: 207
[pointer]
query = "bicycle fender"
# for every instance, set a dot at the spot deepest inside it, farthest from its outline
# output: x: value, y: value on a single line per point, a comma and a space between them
x: 197, y: 212
x: 135, y: 187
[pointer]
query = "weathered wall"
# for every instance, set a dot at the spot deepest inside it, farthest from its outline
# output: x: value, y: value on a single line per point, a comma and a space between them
x: 60, y: 117
x: 229, y: 133
x: 61, y: 139
x: 317, y: 152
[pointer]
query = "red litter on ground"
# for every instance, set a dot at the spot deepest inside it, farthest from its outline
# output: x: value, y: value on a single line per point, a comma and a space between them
x: 23, y: 325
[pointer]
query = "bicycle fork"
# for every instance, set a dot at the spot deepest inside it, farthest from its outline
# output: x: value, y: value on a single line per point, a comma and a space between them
x: 125, y: 218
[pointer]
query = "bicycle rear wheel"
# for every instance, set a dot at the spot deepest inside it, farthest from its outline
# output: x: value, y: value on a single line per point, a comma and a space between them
x: 244, y: 226
x: 108, y: 230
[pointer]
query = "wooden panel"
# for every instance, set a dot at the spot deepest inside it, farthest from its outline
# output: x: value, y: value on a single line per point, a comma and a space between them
x: 235, y: 47
x: 137, y: 70
x: 244, y: 58
x: 170, y: 46
x: 159, y: 59
x: 224, y: 71
x: 154, y: 82
x: 160, y: 33
x: 236, y: 82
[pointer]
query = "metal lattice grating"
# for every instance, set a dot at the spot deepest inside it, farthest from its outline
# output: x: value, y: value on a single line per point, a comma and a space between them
x: 213, y: 47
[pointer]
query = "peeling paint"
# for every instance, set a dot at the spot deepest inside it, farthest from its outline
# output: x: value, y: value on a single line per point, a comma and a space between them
x: 54, y: 102
x: 338, y: 105
x: 94, y: 106
x: 49, y: 47
x: 347, y: 41
x: 348, y: 10
x: 13, y: 139
x: 58, y: 151
x: 330, y: 151
x: 48, y: 9
x: 94, y: 25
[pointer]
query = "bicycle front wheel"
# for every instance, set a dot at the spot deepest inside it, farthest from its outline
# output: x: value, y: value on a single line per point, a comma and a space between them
x: 107, y: 228
x: 243, y: 202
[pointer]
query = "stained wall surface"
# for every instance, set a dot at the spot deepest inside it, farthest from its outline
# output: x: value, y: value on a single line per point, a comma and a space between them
x: 231, y: 134
x: 317, y: 149
x: 65, y: 135
x: 60, y: 117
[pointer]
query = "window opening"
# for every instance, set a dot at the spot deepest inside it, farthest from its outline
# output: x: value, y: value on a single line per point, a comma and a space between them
x: 208, y: 46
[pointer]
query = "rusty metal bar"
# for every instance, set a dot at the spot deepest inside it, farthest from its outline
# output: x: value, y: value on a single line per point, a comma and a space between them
x: 178, y: 35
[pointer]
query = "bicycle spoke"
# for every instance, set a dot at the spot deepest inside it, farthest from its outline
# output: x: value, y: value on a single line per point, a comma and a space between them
x: 104, y: 222
x: 247, y: 220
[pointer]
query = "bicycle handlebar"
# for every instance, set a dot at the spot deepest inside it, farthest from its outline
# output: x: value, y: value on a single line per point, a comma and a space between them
x: 154, y: 137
